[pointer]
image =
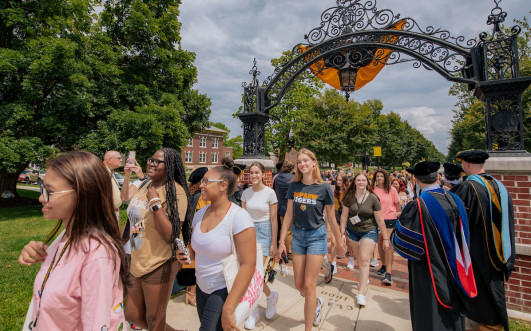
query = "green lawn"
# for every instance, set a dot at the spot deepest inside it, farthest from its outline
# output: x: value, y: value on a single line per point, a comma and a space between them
x: 18, y: 226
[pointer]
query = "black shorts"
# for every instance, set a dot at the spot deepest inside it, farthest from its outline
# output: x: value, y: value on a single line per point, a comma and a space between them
x: 390, y: 224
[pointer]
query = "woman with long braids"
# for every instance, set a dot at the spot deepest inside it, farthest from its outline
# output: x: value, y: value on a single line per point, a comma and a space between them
x: 309, y: 199
x: 158, y: 212
x: 81, y: 280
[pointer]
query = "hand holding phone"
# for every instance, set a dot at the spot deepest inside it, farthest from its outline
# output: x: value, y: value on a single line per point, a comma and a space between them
x: 182, y: 247
x: 131, y: 158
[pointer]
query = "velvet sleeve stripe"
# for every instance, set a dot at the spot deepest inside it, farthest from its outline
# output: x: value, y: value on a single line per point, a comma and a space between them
x: 404, y: 251
x: 410, y: 233
x: 411, y: 245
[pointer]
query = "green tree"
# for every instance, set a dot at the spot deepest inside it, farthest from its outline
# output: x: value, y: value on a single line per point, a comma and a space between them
x: 336, y: 130
x: 285, y: 118
x: 72, y: 77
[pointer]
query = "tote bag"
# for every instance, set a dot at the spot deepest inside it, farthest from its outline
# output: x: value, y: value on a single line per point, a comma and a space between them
x: 231, y: 265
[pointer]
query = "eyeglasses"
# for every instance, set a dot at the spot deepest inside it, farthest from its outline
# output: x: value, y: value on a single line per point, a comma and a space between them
x: 206, y: 181
x: 46, y: 194
x: 155, y: 162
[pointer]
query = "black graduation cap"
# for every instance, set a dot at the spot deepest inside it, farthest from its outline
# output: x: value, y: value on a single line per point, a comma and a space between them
x: 238, y: 168
x: 424, y: 168
x: 197, y: 175
x: 452, y: 170
x: 477, y: 156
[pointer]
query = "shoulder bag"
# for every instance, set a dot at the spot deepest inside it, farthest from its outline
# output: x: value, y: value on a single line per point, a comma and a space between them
x: 231, y: 265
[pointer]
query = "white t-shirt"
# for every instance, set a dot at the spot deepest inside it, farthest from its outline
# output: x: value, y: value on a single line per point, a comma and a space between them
x: 257, y: 203
x: 212, y: 247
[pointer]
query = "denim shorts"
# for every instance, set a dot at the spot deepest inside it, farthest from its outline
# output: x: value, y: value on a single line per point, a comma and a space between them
x: 263, y: 236
x: 309, y: 241
x: 357, y: 236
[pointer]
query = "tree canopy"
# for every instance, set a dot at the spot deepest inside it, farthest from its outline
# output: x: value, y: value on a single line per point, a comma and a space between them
x: 73, y: 77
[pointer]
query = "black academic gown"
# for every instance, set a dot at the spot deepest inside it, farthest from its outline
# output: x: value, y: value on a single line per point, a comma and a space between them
x: 426, y: 311
x: 237, y: 196
x: 489, y: 306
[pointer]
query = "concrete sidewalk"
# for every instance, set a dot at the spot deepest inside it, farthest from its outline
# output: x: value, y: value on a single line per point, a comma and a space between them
x: 386, y: 309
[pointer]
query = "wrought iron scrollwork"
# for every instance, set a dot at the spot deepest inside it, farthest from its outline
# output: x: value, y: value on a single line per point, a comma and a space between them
x: 499, y: 49
x: 250, y: 89
x: 355, y: 31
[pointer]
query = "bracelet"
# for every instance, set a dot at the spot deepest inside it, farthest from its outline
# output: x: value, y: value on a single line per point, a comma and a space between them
x: 386, y: 239
x: 153, y: 201
x: 282, y: 242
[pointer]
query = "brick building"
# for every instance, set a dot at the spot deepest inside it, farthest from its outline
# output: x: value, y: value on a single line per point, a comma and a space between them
x: 205, y: 149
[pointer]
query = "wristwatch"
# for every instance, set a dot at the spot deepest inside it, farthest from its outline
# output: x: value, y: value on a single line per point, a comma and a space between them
x: 155, y: 207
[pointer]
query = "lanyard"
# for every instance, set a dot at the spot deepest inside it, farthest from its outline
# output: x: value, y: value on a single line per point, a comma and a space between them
x: 52, y: 266
x: 362, y: 201
x: 50, y: 269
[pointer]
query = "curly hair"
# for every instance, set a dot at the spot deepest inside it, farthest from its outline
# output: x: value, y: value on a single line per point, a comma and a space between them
x: 175, y: 173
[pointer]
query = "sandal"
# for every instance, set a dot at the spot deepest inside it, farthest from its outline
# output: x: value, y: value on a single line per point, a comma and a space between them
x: 189, y: 299
x: 330, y: 276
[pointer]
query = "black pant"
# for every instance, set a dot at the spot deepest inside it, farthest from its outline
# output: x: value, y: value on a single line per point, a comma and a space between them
x: 209, y: 308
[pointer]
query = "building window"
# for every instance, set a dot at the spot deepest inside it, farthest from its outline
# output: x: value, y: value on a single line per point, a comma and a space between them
x: 290, y: 154
x: 190, y: 142
x: 215, y: 158
x: 227, y: 154
x: 188, y: 157
x: 202, y: 142
x: 214, y: 142
x: 202, y: 157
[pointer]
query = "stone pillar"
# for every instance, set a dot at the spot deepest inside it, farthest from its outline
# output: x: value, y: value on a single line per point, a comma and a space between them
x: 268, y: 164
x: 515, y: 174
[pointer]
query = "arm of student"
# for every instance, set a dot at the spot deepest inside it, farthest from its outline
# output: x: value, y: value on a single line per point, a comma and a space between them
x: 383, y: 229
x: 331, y: 219
x: 33, y: 252
x: 286, y: 225
x: 274, y: 229
x: 245, y: 243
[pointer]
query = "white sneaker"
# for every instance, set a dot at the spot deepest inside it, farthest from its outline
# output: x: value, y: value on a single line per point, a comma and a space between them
x: 374, y: 262
x: 361, y: 299
x: 271, y: 309
x: 335, y: 268
x: 250, y: 323
x: 317, y: 318
x: 350, y: 265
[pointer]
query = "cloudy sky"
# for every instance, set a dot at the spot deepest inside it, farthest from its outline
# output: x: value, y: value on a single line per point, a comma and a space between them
x: 227, y: 34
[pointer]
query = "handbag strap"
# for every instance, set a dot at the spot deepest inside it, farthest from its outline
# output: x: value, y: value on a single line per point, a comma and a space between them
x: 230, y: 226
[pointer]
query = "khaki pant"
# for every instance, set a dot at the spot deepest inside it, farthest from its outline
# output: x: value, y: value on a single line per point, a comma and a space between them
x: 472, y: 325
x: 289, y: 236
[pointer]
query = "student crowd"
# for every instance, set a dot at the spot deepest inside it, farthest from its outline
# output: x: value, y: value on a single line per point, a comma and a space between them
x: 458, y: 237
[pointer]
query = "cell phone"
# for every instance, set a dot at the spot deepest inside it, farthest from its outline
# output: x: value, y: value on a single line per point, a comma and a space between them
x: 131, y: 158
x: 284, y: 257
x: 182, y: 247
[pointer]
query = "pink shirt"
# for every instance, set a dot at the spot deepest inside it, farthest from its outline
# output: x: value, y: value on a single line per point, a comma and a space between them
x: 83, y: 292
x: 388, y: 201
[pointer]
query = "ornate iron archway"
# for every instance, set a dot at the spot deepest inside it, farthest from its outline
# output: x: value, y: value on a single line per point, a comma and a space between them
x: 355, y: 33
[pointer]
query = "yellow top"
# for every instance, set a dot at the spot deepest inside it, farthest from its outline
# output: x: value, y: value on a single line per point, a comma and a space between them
x: 153, y: 250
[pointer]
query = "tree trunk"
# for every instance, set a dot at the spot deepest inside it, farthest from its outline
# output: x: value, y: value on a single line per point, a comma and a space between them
x: 8, y: 181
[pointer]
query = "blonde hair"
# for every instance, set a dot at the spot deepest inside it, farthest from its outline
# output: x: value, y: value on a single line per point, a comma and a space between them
x: 316, y: 172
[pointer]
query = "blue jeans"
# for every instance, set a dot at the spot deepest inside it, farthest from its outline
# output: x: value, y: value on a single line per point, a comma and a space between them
x: 309, y: 241
x: 357, y: 236
x: 209, y: 308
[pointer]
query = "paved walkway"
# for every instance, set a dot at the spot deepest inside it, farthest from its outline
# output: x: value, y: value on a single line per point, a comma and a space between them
x: 387, y: 306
